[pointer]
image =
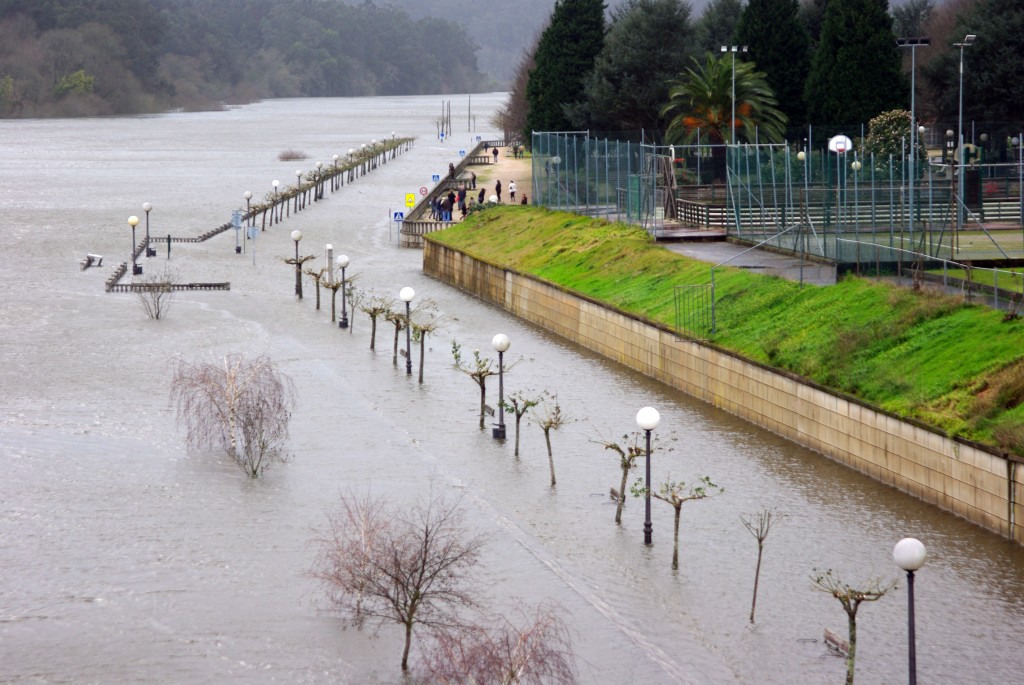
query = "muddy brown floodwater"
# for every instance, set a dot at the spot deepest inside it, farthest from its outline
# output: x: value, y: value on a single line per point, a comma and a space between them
x: 127, y: 559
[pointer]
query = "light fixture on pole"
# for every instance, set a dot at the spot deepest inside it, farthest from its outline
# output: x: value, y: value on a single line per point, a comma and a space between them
x: 334, y: 176
x: 405, y: 295
x: 968, y: 40
x: 732, y: 124
x: 500, y: 342
x: 342, y: 262
x: 297, y: 236
x: 909, y: 554
x: 298, y: 187
x: 248, y: 212
x: 133, y: 221
x: 150, y: 251
x: 275, y: 183
x: 648, y: 418
x: 913, y: 44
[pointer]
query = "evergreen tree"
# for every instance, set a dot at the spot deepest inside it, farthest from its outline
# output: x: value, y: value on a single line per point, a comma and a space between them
x: 718, y: 24
x: 993, y: 89
x: 647, y: 44
x: 777, y: 41
x: 856, y: 71
x: 564, y: 58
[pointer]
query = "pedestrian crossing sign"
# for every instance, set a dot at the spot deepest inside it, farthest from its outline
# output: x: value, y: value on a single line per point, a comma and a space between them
x: 399, y: 216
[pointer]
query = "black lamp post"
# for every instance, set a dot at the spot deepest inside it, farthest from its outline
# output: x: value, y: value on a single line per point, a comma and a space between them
x: 334, y: 177
x: 150, y: 251
x: 648, y: 418
x: 133, y: 221
x: 298, y: 187
x: 274, y: 209
x: 909, y: 554
x: 405, y: 295
x: 342, y: 262
x: 500, y: 342
x: 248, y: 212
x: 297, y: 236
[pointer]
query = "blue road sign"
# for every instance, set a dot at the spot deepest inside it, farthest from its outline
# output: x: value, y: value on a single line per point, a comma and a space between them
x: 435, y: 178
x: 462, y: 153
x: 399, y: 216
x: 236, y: 219
x: 478, y: 139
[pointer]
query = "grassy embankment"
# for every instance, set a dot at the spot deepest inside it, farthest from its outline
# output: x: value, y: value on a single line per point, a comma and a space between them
x: 921, y: 355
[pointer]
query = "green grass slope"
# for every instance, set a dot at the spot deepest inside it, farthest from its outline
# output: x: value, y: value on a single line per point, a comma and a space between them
x: 919, y: 354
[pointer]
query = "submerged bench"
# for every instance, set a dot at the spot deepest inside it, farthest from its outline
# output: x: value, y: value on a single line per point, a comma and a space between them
x: 91, y: 260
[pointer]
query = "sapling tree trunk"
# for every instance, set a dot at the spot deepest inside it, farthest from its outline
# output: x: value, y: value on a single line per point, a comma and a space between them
x: 850, y: 598
x: 429, y: 320
x: 677, y: 494
x: 759, y: 526
x: 632, y: 447
x: 479, y: 370
x: 548, y: 415
x: 520, y: 402
x: 376, y: 306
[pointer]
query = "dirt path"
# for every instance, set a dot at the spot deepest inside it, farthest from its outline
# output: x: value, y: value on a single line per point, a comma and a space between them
x: 507, y: 169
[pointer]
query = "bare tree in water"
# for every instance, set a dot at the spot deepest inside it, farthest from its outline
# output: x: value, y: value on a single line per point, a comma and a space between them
x: 241, y: 404
x: 427, y: 322
x: 479, y: 371
x: 383, y: 563
x: 536, y: 652
x: 155, y: 293
x: 375, y: 306
x: 759, y: 525
x: 548, y: 415
x: 850, y: 598
x: 629, y: 448
x: 520, y: 402
x: 678, y: 494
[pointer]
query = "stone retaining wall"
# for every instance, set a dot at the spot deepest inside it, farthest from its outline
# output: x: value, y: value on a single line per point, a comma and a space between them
x: 962, y: 477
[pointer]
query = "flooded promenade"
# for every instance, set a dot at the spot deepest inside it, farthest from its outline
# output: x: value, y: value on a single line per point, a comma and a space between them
x: 128, y: 559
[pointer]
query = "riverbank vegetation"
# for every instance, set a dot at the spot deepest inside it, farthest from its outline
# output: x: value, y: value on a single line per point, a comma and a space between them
x: 920, y: 354
x: 70, y: 58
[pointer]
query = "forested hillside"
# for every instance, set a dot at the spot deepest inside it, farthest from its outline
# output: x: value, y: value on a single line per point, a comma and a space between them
x: 74, y: 58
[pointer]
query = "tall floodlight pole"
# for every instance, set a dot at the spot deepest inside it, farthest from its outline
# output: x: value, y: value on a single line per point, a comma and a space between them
x: 732, y: 124
x: 968, y: 39
x: 913, y: 44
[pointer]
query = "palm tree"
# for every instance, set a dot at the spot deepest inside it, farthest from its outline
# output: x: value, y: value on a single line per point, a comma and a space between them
x: 701, y: 100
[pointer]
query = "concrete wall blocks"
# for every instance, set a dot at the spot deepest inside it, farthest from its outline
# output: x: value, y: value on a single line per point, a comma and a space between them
x: 961, y: 477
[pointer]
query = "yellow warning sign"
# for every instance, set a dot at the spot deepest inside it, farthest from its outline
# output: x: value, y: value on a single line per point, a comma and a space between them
x: 410, y: 199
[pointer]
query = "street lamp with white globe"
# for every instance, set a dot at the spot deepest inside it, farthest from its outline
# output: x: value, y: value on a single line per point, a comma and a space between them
x: 297, y: 236
x: 133, y: 221
x: 342, y: 262
x: 501, y: 343
x: 909, y: 554
x: 405, y: 295
x: 648, y: 419
x: 150, y: 251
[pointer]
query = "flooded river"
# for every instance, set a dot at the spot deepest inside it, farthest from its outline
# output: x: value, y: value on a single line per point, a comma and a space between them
x: 128, y: 559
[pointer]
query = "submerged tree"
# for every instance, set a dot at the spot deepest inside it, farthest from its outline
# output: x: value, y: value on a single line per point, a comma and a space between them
x: 429, y: 321
x: 678, y: 494
x: 377, y: 306
x: 520, y: 402
x: 537, y: 652
x: 548, y: 415
x: 479, y: 370
x: 629, y: 448
x: 241, y: 404
x: 851, y: 598
x: 398, y: 320
x: 386, y: 564
x: 317, y: 276
x: 759, y: 525
x: 155, y: 293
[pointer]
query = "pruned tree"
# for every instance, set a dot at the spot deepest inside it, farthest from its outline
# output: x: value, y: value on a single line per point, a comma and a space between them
x: 397, y: 319
x: 850, y: 598
x: 629, y: 448
x: 317, y: 276
x: 548, y: 415
x: 297, y: 262
x: 427, y: 321
x: 759, y: 525
x: 677, y: 494
x: 520, y: 402
x: 384, y: 564
x: 479, y: 370
x: 242, y: 404
x: 536, y: 652
x: 155, y: 293
x: 376, y: 306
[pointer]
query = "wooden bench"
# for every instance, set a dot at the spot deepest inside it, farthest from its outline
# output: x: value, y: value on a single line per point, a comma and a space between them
x: 91, y: 260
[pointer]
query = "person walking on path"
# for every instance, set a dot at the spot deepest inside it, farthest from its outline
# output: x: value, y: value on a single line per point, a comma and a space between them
x: 497, y: 190
x: 472, y: 180
x: 480, y: 197
x: 451, y: 170
x: 512, y: 191
x: 446, y: 210
x: 495, y: 153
